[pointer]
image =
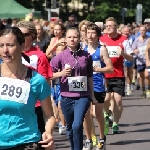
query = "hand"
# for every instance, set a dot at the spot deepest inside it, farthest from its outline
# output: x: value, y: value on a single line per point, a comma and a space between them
x: 66, y: 71
x: 47, y: 141
x: 147, y: 63
x: 61, y: 41
x: 136, y: 51
x: 96, y: 69
x: 59, y: 106
x: 94, y: 101
x: 120, y: 51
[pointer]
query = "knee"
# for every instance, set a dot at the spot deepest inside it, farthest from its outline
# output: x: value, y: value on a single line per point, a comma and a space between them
x: 99, y: 115
x: 107, y: 97
x: 147, y: 76
x: 70, y: 133
x: 76, y: 127
x: 118, y: 102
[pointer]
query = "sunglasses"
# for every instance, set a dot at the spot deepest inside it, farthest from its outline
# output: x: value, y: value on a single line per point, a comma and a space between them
x: 26, y: 34
x: 71, y: 20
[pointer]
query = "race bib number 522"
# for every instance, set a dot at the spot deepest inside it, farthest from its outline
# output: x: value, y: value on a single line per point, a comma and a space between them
x: 78, y: 83
x: 14, y: 90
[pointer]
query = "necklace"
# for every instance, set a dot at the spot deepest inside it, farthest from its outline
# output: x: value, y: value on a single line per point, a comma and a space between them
x: 14, y: 74
x: 75, y: 51
x: 75, y: 55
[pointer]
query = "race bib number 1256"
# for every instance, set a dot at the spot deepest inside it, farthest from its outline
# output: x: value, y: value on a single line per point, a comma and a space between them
x: 14, y: 90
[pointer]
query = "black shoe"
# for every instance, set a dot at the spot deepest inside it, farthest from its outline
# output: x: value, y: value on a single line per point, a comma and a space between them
x: 110, y: 118
x: 137, y: 87
x: 101, y: 144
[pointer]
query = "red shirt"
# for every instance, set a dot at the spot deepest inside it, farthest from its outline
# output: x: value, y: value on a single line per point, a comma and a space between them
x: 117, y: 61
x: 39, y: 62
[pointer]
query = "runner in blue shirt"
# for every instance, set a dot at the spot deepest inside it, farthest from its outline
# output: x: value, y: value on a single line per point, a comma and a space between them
x: 20, y: 87
x: 101, y: 65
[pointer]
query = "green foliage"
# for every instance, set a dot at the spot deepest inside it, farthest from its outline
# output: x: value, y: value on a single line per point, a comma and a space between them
x: 102, y: 9
x: 27, y: 3
x: 105, y: 9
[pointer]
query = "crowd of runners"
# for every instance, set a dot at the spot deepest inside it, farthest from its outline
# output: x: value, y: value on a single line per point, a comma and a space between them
x: 63, y: 74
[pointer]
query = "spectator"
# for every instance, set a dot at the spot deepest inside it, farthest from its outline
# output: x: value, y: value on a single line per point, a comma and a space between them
x: 42, y: 39
x: 72, y: 21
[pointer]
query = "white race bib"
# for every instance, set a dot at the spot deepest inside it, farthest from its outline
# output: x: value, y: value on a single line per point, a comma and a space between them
x: 78, y: 83
x: 96, y: 64
x: 142, y: 50
x: 14, y: 90
x: 113, y: 51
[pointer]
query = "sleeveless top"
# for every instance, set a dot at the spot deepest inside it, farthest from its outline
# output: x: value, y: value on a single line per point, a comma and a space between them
x: 98, y: 77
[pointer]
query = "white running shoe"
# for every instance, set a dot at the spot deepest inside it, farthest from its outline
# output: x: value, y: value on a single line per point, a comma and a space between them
x: 62, y: 130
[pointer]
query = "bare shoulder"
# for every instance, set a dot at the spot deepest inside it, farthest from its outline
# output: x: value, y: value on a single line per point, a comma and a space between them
x: 104, y: 51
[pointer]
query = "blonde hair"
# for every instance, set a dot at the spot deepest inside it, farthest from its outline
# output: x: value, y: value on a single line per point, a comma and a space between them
x: 111, y: 19
x: 84, y: 22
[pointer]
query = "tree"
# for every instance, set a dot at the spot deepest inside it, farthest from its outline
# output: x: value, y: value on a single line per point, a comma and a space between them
x: 27, y: 4
x: 109, y: 8
x: 64, y: 10
x: 102, y: 9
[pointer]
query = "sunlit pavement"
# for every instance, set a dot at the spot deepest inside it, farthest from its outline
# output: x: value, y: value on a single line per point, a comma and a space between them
x: 134, y: 127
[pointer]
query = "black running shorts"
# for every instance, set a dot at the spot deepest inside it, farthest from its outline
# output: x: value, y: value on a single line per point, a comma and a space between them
x: 116, y: 85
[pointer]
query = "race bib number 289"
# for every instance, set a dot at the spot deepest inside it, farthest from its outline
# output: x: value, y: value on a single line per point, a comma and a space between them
x: 14, y: 90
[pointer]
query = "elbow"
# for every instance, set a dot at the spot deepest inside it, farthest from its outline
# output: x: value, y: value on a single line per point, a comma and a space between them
x: 47, y: 54
x: 131, y: 58
x: 111, y: 69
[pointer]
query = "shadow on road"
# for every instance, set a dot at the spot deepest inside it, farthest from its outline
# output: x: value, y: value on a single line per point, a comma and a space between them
x: 135, y: 124
x: 130, y: 142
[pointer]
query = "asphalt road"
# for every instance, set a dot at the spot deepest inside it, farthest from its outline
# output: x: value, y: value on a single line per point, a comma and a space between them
x: 134, y: 127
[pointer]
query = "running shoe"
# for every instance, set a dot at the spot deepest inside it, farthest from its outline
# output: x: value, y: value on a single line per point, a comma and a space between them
x: 101, y: 144
x: 94, y: 140
x: 148, y: 94
x: 133, y: 82
x: 62, y: 130
x: 110, y: 118
x: 143, y: 94
x: 88, y: 145
x: 128, y: 90
x: 131, y: 88
x: 115, y: 129
x: 137, y: 87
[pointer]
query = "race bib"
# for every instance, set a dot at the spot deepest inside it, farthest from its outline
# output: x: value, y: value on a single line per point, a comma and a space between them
x: 14, y: 90
x: 142, y: 50
x: 96, y: 64
x: 78, y: 83
x: 113, y: 51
